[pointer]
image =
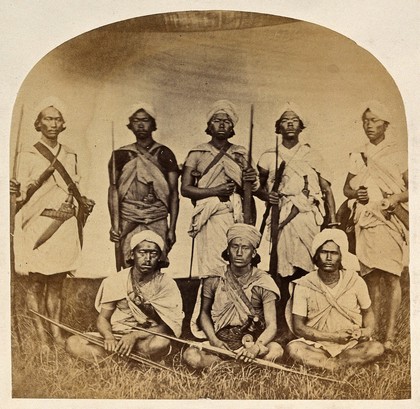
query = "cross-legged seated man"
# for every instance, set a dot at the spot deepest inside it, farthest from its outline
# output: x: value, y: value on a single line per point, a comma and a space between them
x: 140, y: 296
x: 238, y: 309
x: 331, y: 310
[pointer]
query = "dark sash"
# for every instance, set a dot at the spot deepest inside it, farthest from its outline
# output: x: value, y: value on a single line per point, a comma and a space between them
x: 82, y: 213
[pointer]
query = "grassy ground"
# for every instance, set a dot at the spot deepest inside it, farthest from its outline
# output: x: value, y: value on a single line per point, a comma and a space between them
x: 57, y: 375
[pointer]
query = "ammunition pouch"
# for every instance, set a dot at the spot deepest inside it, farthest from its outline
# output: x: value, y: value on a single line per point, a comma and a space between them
x: 233, y: 335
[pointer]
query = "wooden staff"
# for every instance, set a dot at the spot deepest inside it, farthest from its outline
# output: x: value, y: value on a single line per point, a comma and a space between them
x: 248, y: 185
x: 115, y: 208
x: 13, y: 210
x: 14, y: 173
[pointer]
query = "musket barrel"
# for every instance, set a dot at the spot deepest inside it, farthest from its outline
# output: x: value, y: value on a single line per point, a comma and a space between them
x: 114, y: 206
x: 248, y: 185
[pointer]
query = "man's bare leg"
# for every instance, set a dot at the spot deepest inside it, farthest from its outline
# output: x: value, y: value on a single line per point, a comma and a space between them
x: 311, y: 356
x: 199, y: 359
x: 392, y: 307
x: 275, y: 352
x: 81, y: 348
x: 153, y: 346
x: 53, y: 302
x: 35, y: 301
x: 362, y: 353
x: 373, y: 281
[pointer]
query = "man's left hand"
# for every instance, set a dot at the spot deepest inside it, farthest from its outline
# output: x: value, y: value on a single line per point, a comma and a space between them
x: 248, y: 354
x: 88, y: 204
x: 170, y: 239
x: 126, y: 344
x: 249, y: 175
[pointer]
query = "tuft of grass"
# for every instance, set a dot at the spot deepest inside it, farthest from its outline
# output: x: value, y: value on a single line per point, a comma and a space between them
x: 58, y: 375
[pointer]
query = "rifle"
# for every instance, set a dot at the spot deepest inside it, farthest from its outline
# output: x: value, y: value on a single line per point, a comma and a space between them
x: 277, y: 180
x: 248, y: 185
x: 99, y: 342
x: 275, y: 212
x: 114, y: 205
x: 231, y: 354
x: 13, y: 210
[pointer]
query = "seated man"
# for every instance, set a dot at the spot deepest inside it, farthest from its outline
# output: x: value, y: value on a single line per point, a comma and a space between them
x: 331, y: 310
x: 138, y: 296
x: 238, y: 304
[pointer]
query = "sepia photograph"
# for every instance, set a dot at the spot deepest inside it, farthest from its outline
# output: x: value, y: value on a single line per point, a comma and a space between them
x: 210, y: 203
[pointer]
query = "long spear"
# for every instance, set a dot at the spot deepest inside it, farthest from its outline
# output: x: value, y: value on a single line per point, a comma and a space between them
x: 13, y: 209
x: 231, y: 354
x: 13, y: 195
x: 100, y: 343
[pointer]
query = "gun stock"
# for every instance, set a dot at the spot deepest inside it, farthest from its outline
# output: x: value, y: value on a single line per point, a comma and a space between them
x: 275, y: 212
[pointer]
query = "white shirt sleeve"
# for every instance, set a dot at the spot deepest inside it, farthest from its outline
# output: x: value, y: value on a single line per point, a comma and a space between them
x: 362, y: 294
x: 300, y: 302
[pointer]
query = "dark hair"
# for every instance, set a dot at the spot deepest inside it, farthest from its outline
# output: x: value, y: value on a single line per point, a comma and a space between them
x: 152, y: 120
x: 41, y: 115
x: 208, y: 132
x: 254, y: 261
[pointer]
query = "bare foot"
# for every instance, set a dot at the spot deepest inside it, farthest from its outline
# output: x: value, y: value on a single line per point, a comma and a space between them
x: 389, y: 345
x: 60, y: 341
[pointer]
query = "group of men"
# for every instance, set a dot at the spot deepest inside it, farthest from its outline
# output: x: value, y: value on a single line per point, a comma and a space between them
x: 238, y: 305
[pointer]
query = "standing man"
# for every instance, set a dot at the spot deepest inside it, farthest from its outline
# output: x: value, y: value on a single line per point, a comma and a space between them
x: 48, y: 225
x: 138, y: 296
x: 331, y: 309
x: 146, y: 178
x: 378, y: 181
x: 301, y: 196
x: 237, y: 302
x: 213, y: 177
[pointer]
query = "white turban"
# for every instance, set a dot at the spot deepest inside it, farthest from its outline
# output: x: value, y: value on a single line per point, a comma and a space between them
x: 378, y: 109
x: 148, y: 108
x: 291, y: 106
x: 244, y: 231
x: 349, y: 261
x: 146, y: 235
x: 50, y: 101
x: 226, y: 107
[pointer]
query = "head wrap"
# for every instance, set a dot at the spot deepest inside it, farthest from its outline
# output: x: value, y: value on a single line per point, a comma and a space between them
x: 291, y: 106
x: 378, y: 109
x: 244, y: 231
x: 226, y: 107
x: 146, y: 235
x: 349, y: 261
x: 148, y: 108
x: 50, y: 101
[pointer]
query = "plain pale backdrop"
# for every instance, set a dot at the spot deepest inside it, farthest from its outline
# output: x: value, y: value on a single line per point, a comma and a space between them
x: 99, y: 75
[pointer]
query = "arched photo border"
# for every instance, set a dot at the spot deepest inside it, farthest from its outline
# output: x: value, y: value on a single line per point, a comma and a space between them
x: 384, y: 28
